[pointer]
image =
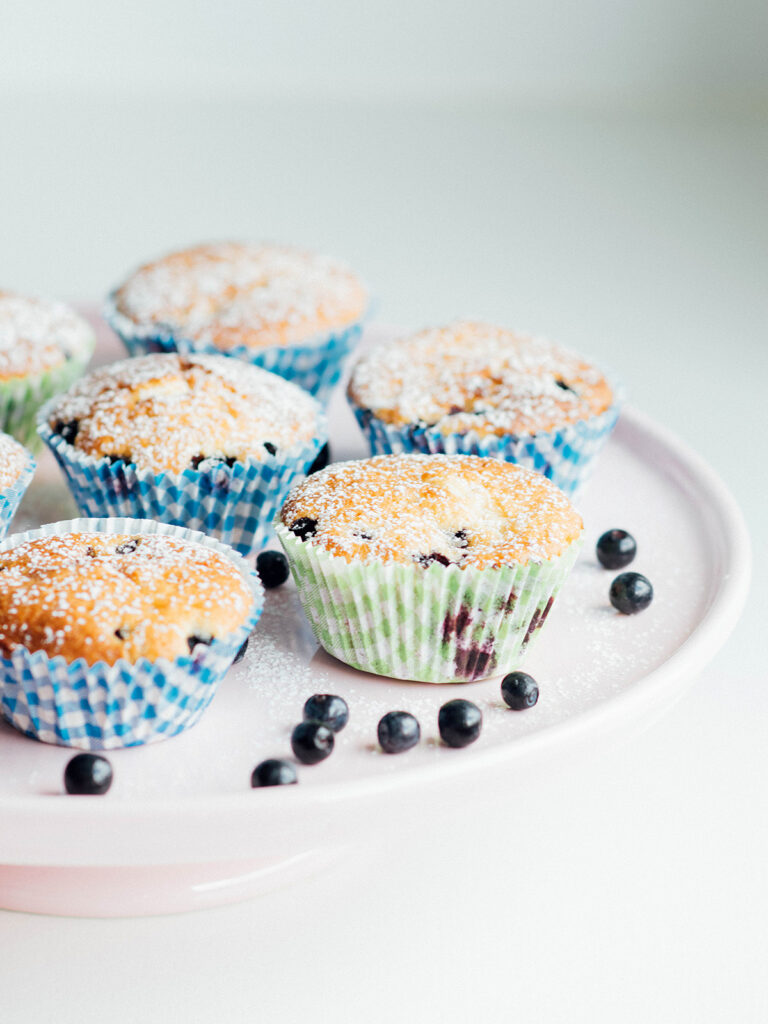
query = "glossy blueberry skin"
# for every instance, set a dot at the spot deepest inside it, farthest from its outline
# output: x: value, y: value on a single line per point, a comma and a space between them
x: 304, y: 527
x: 615, y: 549
x: 272, y: 567
x: 312, y: 742
x: 274, y: 772
x: 398, y: 731
x: 327, y: 708
x: 88, y: 775
x: 322, y: 459
x: 630, y: 593
x: 519, y: 690
x: 459, y: 722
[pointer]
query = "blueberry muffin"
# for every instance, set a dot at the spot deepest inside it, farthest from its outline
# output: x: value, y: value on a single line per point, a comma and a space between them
x: 432, y: 567
x: 44, y: 346
x: 194, y: 440
x: 480, y: 389
x: 16, y: 470
x: 285, y: 309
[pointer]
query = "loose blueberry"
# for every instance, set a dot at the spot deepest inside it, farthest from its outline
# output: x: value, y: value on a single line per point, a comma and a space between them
x: 328, y: 709
x: 241, y: 653
x: 615, y: 549
x: 126, y: 547
x: 519, y: 690
x: 272, y: 567
x: 312, y: 742
x: 271, y: 448
x: 67, y: 430
x: 322, y: 459
x: 193, y: 640
x: 88, y: 775
x: 274, y: 772
x: 398, y: 731
x: 631, y: 593
x: 304, y: 527
x: 459, y: 722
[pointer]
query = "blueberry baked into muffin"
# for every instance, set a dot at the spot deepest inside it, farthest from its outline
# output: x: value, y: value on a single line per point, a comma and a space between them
x: 431, y: 567
x: 44, y: 346
x: 198, y: 441
x: 475, y: 388
x: 288, y: 310
x: 114, y: 638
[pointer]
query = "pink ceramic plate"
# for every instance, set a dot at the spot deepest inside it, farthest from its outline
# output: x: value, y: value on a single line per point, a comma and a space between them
x: 181, y: 827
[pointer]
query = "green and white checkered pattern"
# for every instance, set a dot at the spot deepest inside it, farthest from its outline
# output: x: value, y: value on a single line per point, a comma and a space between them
x: 438, y: 624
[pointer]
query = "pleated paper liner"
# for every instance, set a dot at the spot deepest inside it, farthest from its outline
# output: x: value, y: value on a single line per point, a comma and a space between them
x: 10, y: 498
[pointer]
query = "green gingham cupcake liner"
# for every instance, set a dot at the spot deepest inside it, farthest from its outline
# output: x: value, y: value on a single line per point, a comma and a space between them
x: 10, y: 498
x: 237, y: 504
x: 440, y: 624
x: 315, y: 364
x: 105, y: 707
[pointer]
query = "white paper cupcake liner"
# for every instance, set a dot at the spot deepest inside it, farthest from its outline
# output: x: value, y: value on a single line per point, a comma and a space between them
x: 315, y: 364
x: 104, y: 707
x: 10, y: 498
x: 237, y: 504
x: 566, y: 456
x: 441, y: 624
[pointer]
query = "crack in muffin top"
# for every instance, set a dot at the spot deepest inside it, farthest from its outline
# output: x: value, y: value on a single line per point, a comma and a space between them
x: 108, y: 596
x: 472, y: 376
x: 169, y: 412
x: 13, y: 459
x: 460, y: 510
x: 36, y: 335
x: 230, y: 294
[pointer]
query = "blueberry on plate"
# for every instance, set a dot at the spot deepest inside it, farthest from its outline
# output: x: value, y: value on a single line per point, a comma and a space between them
x: 615, y: 549
x: 398, y: 731
x: 312, y: 742
x: 631, y: 593
x: 272, y: 567
x: 274, y: 772
x: 88, y: 775
x: 327, y: 708
x: 519, y: 690
x: 459, y: 722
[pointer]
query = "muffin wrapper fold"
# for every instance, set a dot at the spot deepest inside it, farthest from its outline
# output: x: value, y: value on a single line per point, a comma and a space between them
x: 21, y: 398
x: 10, y: 498
x: 565, y: 456
x: 315, y: 364
x: 437, y: 625
x: 105, y: 707
x: 235, y: 504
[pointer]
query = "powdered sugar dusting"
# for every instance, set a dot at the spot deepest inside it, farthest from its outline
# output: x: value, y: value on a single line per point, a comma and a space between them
x: 13, y: 459
x: 36, y: 335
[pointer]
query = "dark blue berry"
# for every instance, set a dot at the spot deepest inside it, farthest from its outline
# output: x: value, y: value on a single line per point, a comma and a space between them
x: 631, y: 593
x: 322, y: 459
x: 459, y: 722
x: 272, y: 567
x: 271, y: 448
x: 274, y: 772
x: 519, y: 690
x: 328, y: 709
x: 312, y: 742
x: 304, y: 527
x: 434, y: 556
x: 88, y: 774
x: 194, y: 640
x: 241, y: 653
x: 615, y: 549
x: 127, y: 547
x: 67, y: 430
x: 565, y: 387
x: 398, y: 731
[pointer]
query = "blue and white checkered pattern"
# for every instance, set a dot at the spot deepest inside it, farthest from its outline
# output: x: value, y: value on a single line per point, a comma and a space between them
x: 104, y: 707
x: 236, y: 504
x: 315, y: 365
x: 10, y: 499
x: 564, y: 456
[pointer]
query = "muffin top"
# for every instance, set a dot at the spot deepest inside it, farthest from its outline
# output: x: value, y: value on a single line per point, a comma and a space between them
x: 13, y: 459
x: 168, y: 413
x: 474, y: 376
x: 36, y: 335
x: 108, y: 596
x: 458, y: 510
x: 230, y: 294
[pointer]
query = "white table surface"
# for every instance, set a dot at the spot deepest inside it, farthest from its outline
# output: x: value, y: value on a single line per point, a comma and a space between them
x: 625, y: 883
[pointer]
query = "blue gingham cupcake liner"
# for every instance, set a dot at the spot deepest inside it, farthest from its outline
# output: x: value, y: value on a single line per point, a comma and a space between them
x: 315, y: 364
x: 105, y: 707
x: 10, y: 498
x: 566, y: 456
x: 236, y: 504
